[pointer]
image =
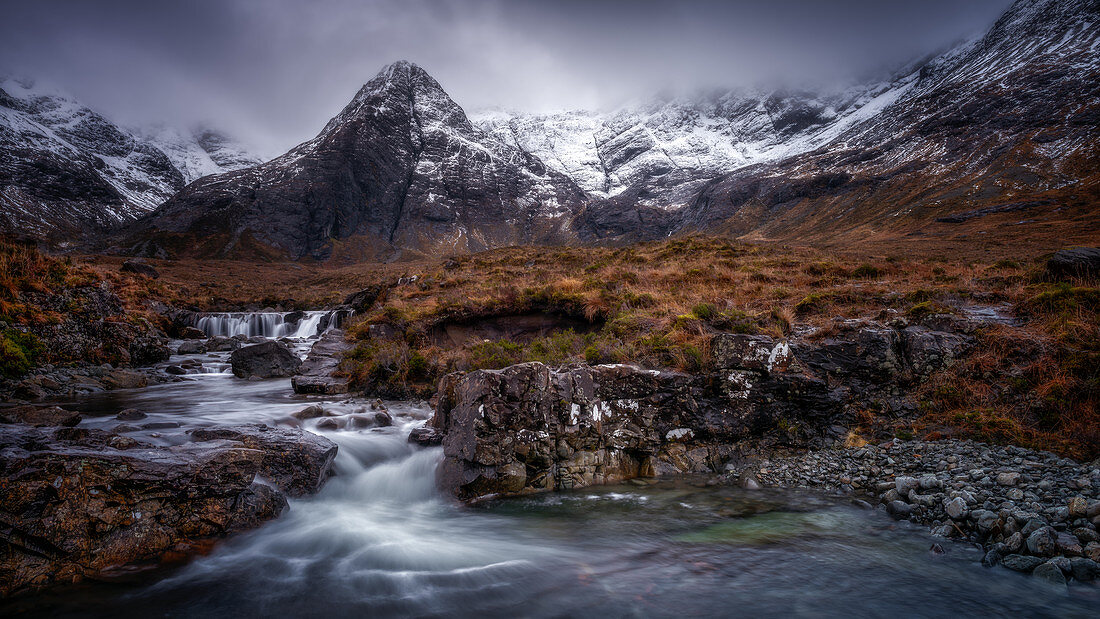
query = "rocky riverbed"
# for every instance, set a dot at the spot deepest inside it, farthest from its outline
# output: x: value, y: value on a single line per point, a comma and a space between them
x: 1031, y: 511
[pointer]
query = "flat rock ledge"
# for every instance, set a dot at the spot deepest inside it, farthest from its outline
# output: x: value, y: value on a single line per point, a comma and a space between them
x: 78, y: 503
x: 1026, y: 508
x: 317, y: 374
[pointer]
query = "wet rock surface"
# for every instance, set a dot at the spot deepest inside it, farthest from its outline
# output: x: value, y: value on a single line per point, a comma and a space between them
x: 265, y: 360
x: 317, y: 374
x: 297, y: 462
x: 79, y: 503
x: 39, y: 416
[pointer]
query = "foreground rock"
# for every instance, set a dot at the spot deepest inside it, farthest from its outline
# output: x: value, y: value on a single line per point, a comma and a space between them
x: 79, y: 503
x: 39, y: 416
x: 528, y: 428
x: 267, y: 360
x: 317, y: 374
x: 297, y: 462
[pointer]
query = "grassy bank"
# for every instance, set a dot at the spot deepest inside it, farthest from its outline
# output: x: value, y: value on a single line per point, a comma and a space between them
x: 658, y: 305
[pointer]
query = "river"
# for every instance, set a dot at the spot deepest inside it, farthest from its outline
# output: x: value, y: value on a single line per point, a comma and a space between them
x: 379, y: 541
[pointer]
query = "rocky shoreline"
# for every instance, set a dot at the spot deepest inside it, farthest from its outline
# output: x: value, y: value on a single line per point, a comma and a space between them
x: 1031, y: 511
x: 79, y: 503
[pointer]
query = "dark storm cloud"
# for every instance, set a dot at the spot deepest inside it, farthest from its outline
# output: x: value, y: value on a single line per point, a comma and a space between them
x: 273, y: 71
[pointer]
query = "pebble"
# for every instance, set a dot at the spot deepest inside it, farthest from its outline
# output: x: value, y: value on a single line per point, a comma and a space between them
x: 1028, y: 506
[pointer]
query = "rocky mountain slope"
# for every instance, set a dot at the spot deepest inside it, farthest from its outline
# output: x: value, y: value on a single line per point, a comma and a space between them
x: 401, y: 170
x: 1008, y: 123
x: 659, y: 152
x: 996, y: 135
x: 66, y: 170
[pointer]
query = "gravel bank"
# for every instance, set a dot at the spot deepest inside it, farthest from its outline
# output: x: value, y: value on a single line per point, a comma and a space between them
x: 1032, y: 511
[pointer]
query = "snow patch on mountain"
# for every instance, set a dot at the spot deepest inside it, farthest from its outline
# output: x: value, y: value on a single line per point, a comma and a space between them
x: 199, y: 152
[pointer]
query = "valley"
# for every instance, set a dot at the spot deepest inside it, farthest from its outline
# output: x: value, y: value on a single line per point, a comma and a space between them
x: 784, y: 350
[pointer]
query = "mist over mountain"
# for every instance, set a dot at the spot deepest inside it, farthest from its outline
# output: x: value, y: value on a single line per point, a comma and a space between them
x: 1000, y: 121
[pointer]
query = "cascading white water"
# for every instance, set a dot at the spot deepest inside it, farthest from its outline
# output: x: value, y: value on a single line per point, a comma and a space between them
x: 308, y: 325
x: 269, y: 324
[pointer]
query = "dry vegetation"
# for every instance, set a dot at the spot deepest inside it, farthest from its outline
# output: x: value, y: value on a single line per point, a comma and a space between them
x: 657, y: 304
x: 39, y: 291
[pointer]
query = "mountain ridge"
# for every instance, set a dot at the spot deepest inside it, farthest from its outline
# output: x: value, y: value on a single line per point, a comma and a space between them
x: 66, y: 170
x: 403, y: 172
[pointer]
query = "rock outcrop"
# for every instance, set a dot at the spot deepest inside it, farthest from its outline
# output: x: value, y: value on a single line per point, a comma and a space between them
x: 317, y: 374
x: 138, y: 266
x: 297, y: 462
x: 1075, y: 262
x: 267, y: 360
x: 79, y: 503
x: 529, y: 428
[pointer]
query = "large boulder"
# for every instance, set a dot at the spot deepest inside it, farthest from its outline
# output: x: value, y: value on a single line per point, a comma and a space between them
x: 529, y: 428
x: 221, y: 343
x: 149, y: 349
x: 927, y: 351
x: 296, y: 461
x: 317, y: 374
x: 266, y: 360
x: 139, y: 267
x: 81, y: 504
x: 1075, y: 262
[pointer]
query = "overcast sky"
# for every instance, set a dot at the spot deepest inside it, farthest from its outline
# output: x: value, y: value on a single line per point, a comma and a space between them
x: 272, y: 72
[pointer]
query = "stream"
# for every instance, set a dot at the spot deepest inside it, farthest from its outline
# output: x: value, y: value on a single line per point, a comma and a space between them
x: 379, y: 541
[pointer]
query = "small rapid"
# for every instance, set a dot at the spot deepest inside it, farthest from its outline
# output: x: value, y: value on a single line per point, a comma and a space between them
x: 270, y: 324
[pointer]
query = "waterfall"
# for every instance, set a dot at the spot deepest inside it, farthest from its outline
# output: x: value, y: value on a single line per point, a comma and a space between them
x: 270, y: 324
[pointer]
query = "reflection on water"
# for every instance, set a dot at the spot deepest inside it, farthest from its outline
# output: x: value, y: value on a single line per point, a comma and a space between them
x: 379, y: 541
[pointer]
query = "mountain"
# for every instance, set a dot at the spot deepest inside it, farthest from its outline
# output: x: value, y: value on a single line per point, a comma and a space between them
x: 66, y: 170
x: 997, y: 137
x: 661, y: 151
x: 999, y: 134
x: 201, y: 151
x: 399, y: 172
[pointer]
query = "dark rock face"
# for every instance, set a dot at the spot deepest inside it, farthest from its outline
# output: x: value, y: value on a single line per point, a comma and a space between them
x: 266, y: 360
x: 75, y: 507
x: 317, y: 373
x: 297, y: 462
x: 139, y: 267
x: 365, y: 299
x: 401, y: 169
x: 66, y: 171
x: 529, y: 428
x: 1076, y: 262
